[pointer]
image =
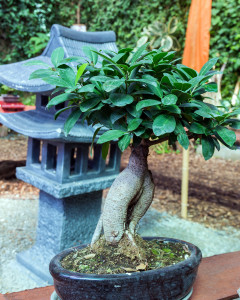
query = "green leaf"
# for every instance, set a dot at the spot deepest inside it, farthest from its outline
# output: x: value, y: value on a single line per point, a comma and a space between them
x: 147, y: 103
x: 134, y: 124
x: 80, y: 72
x: 207, y: 147
x: 228, y: 136
x: 68, y: 75
x: 110, y: 135
x: 87, y: 88
x: 155, y: 89
x: 182, y: 86
x: 89, y: 103
x: 138, y: 53
x: 211, y: 87
x: 62, y: 110
x: 197, y: 128
x: 37, y: 62
x: 57, y: 81
x: 94, y: 136
x: 61, y: 98
x: 124, y: 142
x: 216, y: 143
x: 56, y: 56
x: 164, y: 124
x: 116, y: 115
x: 203, y: 114
x: 190, y: 104
x: 90, y: 52
x: 169, y: 99
x: 121, y: 99
x: 105, y: 148
x: 233, y: 123
x: 183, y: 140
x: 173, y: 109
x: 208, y: 66
x: 182, y: 136
x: 71, y: 121
x: 148, y: 82
x: 190, y: 71
x: 100, y: 78
x: 110, y: 85
x: 158, y: 57
x: 41, y: 73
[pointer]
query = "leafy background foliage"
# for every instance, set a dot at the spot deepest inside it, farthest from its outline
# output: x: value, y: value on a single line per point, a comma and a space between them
x: 23, y: 19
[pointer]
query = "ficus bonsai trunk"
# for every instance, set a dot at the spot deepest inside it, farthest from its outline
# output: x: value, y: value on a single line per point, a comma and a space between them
x: 128, y: 199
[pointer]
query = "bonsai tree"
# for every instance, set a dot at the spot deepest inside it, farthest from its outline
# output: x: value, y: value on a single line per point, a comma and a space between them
x: 139, y: 99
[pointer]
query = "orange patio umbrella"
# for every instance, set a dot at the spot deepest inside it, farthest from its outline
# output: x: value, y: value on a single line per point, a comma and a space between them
x: 196, y: 53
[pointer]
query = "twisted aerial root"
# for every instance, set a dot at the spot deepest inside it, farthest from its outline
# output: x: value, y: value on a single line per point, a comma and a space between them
x: 128, y: 199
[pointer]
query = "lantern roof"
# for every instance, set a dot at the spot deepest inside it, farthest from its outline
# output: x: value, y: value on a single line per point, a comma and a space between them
x: 40, y: 125
x: 16, y: 75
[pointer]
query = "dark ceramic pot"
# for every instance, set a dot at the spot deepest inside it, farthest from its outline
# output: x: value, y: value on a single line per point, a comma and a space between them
x: 170, y: 283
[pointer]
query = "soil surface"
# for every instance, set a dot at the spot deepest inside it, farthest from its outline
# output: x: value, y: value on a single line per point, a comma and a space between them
x: 109, y: 259
x: 14, y: 147
x: 214, y: 194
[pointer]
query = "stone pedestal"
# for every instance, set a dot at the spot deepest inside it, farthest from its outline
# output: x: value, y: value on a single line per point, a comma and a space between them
x: 62, y: 223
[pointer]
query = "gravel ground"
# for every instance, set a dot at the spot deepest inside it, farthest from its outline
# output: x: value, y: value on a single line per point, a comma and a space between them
x: 18, y: 219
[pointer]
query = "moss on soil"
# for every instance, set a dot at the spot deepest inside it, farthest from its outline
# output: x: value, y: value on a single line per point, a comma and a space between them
x: 108, y: 259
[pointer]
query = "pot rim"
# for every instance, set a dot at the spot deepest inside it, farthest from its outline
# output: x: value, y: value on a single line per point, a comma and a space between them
x: 60, y: 273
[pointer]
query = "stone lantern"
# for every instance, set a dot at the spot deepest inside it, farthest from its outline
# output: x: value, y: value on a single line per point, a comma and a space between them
x: 70, y: 179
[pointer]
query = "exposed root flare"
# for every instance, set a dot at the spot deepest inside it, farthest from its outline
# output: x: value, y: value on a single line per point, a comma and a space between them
x: 131, y: 247
x: 128, y: 199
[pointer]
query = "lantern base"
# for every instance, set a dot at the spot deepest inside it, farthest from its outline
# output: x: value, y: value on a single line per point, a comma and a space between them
x: 62, y: 223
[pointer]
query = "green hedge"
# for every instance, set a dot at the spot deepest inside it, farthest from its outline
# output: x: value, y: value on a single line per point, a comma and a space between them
x: 23, y: 19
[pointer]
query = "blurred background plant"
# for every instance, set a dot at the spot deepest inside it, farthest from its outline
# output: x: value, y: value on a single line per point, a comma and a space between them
x: 159, y: 34
x: 37, y: 43
x: 164, y: 148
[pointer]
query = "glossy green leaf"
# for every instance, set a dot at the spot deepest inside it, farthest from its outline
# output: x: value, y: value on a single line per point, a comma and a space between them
x: 87, y: 88
x: 228, y: 136
x: 88, y: 104
x: 36, y: 62
x: 41, y: 73
x: 80, y: 71
x: 173, y: 109
x: 72, y: 120
x: 164, y: 124
x: 134, y: 124
x: 197, y: 128
x: 105, y: 149
x: 124, y: 142
x: 138, y: 53
x: 110, y: 85
x: 110, y: 135
x: 146, y: 103
x: 169, y: 99
x: 56, y: 56
x: 121, y: 99
x: 208, y: 66
x: 207, y: 147
x: 211, y: 87
x: 61, y: 98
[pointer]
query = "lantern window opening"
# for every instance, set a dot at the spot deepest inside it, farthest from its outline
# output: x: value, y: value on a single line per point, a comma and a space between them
x: 94, y: 157
x: 110, y: 160
x: 44, y: 100
x: 75, y: 161
x: 51, y: 162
